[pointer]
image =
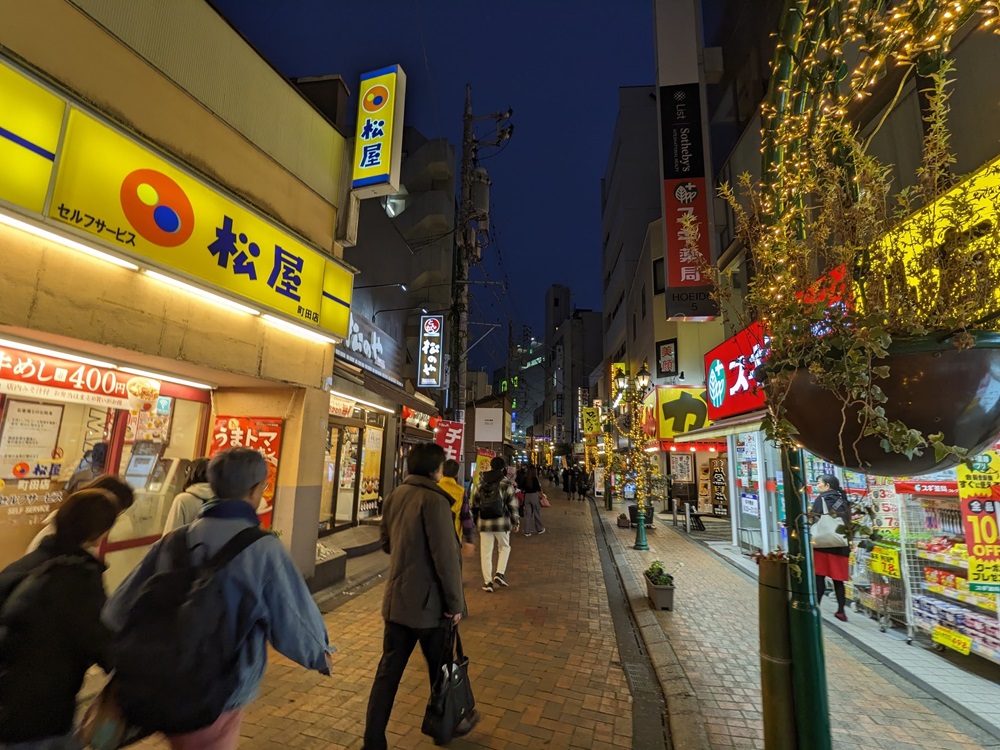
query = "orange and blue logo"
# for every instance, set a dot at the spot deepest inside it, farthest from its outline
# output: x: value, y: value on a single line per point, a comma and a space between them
x: 376, y: 98
x: 157, y: 208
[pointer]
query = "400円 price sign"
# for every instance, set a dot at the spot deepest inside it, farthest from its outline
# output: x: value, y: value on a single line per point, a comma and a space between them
x: 979, y: 493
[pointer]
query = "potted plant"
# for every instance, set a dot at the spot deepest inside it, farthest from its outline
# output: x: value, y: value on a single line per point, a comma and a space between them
x: 877, y: 303
x: 659, y: 585
x: 623, y: 522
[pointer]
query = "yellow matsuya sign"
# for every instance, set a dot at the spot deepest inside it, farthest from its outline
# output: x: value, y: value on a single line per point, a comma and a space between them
x: 378, y: 142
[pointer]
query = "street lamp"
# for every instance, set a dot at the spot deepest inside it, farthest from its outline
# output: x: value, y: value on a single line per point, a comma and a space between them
x: 376, y: 286
x: 397, y: 309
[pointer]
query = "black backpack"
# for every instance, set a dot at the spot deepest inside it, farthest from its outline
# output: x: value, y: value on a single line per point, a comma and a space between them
x: 491, y: 504
x: 175, y: 662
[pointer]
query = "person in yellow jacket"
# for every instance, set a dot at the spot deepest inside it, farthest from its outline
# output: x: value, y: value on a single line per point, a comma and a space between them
x: 449, y: 483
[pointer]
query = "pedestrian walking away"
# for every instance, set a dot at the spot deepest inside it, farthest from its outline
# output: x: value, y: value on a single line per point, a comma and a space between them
x: 532, y: 490
x: 832, y: 561
x: 50, y: 625
x: 187, y: 505
x: 209, y: 668
x: 494, y: 504
x: 423, y: 593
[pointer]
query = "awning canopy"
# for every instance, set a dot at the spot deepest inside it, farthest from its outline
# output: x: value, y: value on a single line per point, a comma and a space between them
x: 417, y: 402
x: 750, y: 422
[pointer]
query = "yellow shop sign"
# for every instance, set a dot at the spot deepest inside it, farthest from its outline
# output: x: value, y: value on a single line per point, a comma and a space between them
x: 124, y: 194
x: 378, y: 141
x: 30, y: 121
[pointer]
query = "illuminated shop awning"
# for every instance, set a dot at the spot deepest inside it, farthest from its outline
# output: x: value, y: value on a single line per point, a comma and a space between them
x: 750, y: 422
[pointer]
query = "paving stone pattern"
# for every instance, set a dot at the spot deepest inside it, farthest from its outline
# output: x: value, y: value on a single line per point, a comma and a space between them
x: 713, y: 631
x: 544, y: 662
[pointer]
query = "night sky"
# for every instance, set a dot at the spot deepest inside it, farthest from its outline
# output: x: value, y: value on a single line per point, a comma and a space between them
x: 557, y: 63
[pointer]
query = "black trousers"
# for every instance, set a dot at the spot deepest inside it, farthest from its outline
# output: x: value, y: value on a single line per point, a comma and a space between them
x: 397, y: 646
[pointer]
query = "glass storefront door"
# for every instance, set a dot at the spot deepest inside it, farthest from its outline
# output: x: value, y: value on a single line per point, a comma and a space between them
x: 744, y: 448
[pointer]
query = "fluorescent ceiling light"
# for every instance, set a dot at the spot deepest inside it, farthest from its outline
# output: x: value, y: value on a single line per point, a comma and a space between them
x: 61, y: 355
x: 168, y: 378
x: 202, y: 294
x: 302, y: 331
x: 362, y: 401
x: 45, y: 234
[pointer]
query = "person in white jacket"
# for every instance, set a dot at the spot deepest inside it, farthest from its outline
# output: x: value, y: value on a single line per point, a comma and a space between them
x: 188, y: 504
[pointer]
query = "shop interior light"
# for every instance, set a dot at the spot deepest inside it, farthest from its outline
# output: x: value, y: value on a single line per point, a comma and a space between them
x: 60, y: 355
x: 45, y: 234
x: 202, y: 294
x: 362, y: 401
x: 168, y: 378
x: 302, y: 331
x: 692, y: 449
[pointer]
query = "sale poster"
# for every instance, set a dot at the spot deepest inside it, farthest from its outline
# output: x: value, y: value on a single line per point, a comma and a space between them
x: 371, y: 463
x: 979, y: 493
x: 263, y: 434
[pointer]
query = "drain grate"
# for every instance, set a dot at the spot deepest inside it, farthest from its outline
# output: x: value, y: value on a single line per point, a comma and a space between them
x: 639, y: 678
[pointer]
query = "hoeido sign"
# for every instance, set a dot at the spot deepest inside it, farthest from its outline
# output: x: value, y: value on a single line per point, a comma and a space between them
x: 729, y: 372
x: 429, y: 361
x: 372, y: 349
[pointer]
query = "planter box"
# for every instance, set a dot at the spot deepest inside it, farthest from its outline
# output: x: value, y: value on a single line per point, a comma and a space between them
x: 624, y: 524
x: 661, y: 597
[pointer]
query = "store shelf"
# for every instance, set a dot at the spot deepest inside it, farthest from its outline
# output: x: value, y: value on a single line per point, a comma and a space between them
x: 952, y: 560
x: 987, y: 603
x: 977, y: 648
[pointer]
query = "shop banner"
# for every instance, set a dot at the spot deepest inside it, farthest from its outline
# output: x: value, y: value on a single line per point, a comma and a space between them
x: 685, y: 193
x: 370, y: 348
x: 483, y: 458
x: 341, y: 407
x: 489, y: 425
x: 591, y: 421
x: 378, y: 138
x: 263, y: 434
x: 979, y: 494
x: 29, y: 438
x: 599, y: 481
x: 729, y: 372
x: 449, y: 436
x: 680, y: 410
x: 30, y: 123
x: 40, y: 376
x: 720, y: 489
x: 371, y: 463
x: 111, y: 187
x: 430, y: 350
x: 927, y: 486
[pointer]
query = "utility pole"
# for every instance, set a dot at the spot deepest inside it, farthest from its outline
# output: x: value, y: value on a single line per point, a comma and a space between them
x: 472, y: 225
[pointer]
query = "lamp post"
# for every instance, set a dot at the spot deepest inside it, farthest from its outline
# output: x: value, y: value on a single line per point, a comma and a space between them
x: 632, y: 391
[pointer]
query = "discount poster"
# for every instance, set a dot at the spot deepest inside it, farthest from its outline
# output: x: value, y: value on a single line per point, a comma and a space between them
x: 263, y: 434
x: 979, y: 492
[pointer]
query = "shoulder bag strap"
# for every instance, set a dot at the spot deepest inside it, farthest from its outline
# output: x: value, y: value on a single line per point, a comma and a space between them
x: 235, y: 546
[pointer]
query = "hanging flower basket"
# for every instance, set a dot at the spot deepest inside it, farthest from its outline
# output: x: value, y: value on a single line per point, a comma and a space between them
x: 932, y: 387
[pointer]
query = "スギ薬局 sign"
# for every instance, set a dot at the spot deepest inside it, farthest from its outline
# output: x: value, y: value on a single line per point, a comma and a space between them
x: 729, y: 373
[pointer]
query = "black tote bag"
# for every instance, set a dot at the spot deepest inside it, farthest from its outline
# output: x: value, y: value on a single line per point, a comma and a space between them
x: 451, y: 698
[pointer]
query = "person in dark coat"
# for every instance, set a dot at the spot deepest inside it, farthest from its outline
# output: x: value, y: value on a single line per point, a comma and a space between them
x: 50, y: 624
x: 565, y: 480
x: 832, y: 562
x: 423, y: 594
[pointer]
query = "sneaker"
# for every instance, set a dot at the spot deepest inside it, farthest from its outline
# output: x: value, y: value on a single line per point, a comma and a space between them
x: 488, y: 587
x: 526, y: 533
x: 541, y: 532
x: 498, y: 578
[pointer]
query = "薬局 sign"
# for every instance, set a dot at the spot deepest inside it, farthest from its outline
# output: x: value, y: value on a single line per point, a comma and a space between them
x: 449, y: 436
x: 979, y: 494
x: 378, y: 138
x: 729, y: 372
x: 685, y: 194
x: 111, y: 187
x: 31, y: 120
x: 430, y: 352
x: 262, y: 434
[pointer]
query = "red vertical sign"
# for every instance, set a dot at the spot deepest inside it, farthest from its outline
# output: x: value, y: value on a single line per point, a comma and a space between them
x: 263, y: 434
x: 449, y: 436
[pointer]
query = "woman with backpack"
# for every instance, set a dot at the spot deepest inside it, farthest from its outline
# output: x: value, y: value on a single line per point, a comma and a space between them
x: 187, y: 504
x: 50, y: 625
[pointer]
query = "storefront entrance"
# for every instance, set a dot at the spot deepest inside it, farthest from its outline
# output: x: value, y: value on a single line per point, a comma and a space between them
x: 352, y: 480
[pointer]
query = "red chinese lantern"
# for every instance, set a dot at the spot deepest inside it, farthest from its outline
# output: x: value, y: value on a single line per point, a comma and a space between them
x: 433, y: 422
x: 406, y: 412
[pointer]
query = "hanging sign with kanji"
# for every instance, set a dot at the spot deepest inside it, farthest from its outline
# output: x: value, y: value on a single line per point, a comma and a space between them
x: 979, y: 494
x: 449, y: 436
x: 263, y: 434
x: 431, y: 348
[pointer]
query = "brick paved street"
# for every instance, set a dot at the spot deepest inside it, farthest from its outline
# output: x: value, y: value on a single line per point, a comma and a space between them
x: 713, y: 632
x: 545, y: 665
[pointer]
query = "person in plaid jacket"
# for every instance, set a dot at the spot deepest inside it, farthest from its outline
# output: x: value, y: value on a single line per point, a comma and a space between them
x: 495, y: 532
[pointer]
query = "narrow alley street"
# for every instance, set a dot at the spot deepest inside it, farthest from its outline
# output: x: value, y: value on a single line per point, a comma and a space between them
x: 547, y: 670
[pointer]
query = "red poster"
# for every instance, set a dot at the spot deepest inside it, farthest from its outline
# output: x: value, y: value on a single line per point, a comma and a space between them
x: 449, y: 436
x: 686, y: 197
x: 260, y: 433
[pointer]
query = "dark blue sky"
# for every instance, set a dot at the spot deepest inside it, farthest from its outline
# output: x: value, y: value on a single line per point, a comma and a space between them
x: 557, y: 63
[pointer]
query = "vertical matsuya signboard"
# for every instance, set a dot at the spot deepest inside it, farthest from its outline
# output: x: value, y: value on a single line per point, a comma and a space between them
x: 378, y: 141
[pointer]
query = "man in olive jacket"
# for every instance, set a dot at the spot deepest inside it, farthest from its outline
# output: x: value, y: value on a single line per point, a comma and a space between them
x: 423, y: 594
